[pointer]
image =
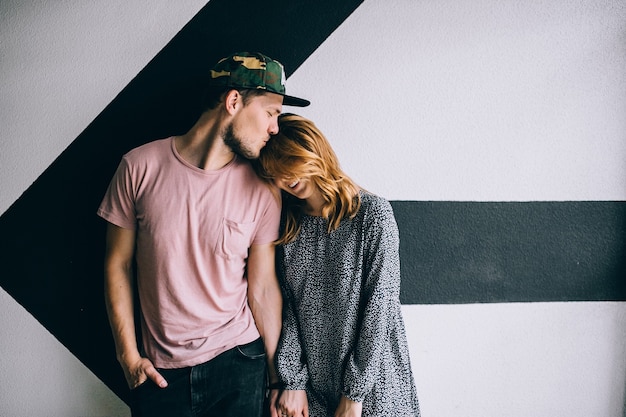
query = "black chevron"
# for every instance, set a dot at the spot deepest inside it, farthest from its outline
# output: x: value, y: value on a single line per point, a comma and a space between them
x: 52, y: 242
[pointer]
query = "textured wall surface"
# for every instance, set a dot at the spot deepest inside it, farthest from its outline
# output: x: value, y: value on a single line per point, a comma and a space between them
x: 495, y: 128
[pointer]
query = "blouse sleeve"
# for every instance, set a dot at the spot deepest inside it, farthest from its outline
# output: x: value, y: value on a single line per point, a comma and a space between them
x: 290, y: 359
x: 380, y: 295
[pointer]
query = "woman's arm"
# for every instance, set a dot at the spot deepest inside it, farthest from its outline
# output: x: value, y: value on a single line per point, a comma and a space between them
x: 380, y: 298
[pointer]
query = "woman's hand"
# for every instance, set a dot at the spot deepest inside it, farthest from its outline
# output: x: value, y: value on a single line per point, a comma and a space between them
x: 293, y: 403
x: 348, y: 408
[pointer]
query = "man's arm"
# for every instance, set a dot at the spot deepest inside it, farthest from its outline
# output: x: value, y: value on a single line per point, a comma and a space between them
x: 265, y: 300
x: 118, y: 292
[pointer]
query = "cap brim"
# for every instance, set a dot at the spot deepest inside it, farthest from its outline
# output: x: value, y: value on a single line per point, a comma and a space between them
x: 295, y: 101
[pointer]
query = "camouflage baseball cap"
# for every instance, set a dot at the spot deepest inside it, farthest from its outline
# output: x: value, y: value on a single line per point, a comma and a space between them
x: 253, y: 70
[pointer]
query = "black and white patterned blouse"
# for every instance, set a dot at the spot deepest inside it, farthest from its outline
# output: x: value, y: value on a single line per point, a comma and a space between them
x: 343, y: 332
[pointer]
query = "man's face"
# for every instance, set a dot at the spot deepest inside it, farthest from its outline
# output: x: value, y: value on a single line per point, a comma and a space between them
x: 253, y: 125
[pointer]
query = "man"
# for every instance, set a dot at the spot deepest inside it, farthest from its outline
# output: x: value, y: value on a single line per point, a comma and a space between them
x: 200, y: 225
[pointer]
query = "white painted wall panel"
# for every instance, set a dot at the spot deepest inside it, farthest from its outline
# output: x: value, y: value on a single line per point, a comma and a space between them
x: 519, y: 359
x: 476, y: 101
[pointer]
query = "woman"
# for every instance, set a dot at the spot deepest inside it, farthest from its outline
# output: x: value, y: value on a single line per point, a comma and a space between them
x: 343, y: 349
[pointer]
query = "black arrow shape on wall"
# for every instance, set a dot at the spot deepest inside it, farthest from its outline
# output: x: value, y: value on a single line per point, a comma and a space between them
x: 52, y: 243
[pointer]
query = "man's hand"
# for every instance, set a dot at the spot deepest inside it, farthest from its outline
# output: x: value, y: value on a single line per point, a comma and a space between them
x: 273, y: 399
x: 140, y: 371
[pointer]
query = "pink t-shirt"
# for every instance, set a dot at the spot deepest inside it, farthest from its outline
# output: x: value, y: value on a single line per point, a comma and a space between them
x: 193, y: 228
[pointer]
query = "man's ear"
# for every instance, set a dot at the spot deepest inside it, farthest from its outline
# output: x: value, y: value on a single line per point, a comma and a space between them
x: 233, y: 101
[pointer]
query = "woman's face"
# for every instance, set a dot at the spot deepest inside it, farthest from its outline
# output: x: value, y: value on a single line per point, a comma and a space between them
x: 300, y: 188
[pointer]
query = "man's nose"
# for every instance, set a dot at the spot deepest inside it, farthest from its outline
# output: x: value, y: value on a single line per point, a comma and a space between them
x: 273, y: 129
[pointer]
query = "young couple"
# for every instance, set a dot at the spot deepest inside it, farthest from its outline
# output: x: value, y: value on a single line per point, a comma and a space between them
x: 231, y: 293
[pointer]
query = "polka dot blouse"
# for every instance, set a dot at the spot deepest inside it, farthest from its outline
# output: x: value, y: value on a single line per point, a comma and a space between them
x: 343, y: 332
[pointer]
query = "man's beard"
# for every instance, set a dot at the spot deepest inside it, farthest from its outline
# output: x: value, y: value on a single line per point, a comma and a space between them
x: 236, y: 144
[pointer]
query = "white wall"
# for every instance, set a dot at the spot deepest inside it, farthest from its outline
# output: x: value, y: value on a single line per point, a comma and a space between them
x: 476, y: 100
x: 423, y: 100
x: 519, y: 360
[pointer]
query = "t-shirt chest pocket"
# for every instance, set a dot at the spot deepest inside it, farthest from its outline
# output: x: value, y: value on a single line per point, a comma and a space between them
x: 234, y: 239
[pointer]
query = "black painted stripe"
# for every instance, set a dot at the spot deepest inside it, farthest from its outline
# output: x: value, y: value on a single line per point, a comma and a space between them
x: 52, y: 241
x: 471, y: 252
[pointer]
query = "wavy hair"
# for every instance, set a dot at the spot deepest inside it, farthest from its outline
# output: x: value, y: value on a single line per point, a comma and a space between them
x: 301, y: 151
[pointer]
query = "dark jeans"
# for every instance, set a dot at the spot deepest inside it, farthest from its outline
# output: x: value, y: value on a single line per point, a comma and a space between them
x: 230, y: 385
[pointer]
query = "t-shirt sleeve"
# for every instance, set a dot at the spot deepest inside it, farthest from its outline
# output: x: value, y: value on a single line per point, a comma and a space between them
x: 267, y: 232
x: 118, y: 204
